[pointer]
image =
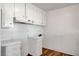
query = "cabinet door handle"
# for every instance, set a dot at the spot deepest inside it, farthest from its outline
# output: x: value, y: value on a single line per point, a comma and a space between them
x: 32, y: 21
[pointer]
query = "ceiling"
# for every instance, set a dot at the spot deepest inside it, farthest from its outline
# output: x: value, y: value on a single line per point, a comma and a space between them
x: 52, y: 6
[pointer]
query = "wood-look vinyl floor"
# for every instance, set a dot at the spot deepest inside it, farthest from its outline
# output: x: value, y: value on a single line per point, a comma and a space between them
x: 48, y: 52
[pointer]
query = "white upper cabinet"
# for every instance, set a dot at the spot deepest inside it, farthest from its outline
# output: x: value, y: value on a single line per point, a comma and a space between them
x: 20, y: 11
x: 34, y: 15
x: 7, y: 13
x: 26, y: 13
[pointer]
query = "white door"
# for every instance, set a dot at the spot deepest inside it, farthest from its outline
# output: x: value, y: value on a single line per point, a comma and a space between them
x: 7, y: 15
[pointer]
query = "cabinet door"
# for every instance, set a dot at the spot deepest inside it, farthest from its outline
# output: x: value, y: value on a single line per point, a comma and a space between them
x: 37, y: 16
x: 7, y: 15
x: 29, y: 13
x: 20, y: 11
x: 43, y: 18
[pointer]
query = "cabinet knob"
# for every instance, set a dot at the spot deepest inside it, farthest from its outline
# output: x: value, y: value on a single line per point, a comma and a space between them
x: 32, y: 21
x: 29, y: 20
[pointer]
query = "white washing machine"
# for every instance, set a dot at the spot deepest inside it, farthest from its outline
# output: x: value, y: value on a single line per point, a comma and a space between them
x: 10, y: 48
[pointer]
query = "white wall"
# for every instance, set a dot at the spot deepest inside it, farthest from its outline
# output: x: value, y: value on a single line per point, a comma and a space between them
x: 62, y: 30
